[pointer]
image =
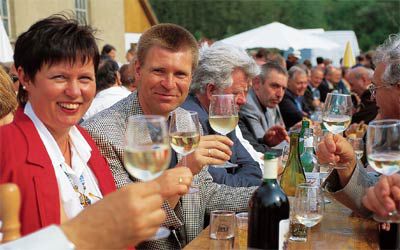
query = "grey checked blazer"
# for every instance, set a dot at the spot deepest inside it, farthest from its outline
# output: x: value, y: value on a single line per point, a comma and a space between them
x: 108, y: 127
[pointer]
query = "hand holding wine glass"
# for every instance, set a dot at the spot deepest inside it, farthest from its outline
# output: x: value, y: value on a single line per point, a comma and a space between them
x: 184, y: 132
x: 383, y: 154
x: 336, y: 116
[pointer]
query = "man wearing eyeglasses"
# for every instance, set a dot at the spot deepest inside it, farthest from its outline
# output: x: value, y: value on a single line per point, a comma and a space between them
x: 350, y: 184
x: 360, y: 79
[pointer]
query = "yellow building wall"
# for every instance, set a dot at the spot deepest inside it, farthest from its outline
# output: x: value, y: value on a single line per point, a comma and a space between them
x: 107, y: 16
x: 26, y: 12
x: 136, y: 20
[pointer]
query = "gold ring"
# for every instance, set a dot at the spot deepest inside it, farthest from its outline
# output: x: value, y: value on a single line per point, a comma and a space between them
x: 209, y: 152
x: 180, y: 180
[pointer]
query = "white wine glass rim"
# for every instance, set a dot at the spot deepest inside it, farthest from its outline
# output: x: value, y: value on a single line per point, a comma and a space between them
x: 387, y: 123
x: 338, y: 94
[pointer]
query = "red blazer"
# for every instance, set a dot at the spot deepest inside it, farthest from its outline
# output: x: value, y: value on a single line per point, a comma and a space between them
x: 25, y: 162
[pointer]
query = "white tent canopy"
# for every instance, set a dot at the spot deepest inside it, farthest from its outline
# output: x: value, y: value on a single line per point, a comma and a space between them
x: 6, y: 51
x: 280, y: 36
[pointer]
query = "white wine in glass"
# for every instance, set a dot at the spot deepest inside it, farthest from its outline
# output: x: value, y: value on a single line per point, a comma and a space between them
x: 147, y: 151
x: 223, y: 117
x: 383, y: 154
x: 184, y: 133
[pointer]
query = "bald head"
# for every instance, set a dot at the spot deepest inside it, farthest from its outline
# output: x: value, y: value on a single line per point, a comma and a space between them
x: 360, y: 78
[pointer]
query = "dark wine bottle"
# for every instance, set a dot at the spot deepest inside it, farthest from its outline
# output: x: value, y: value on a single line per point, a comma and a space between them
x: 389, y: 239
x: 268, y: 210
x: 293, y: 174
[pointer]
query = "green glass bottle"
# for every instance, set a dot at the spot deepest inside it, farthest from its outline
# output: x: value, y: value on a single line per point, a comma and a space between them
x: 293, y: 173
x: 268, y: 210
x: 305, y: 124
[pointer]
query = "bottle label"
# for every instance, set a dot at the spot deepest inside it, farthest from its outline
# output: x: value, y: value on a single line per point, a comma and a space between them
x: 283, y: 234
x: 271, y: 169
x: 308, y: 142
x: 313, y: 178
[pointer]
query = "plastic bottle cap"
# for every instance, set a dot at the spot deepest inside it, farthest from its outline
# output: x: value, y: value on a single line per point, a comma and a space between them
x: 269, y: 155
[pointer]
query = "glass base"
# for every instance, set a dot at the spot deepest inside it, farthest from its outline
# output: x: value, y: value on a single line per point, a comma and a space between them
x: 161, y: 233
x: 227, y: 164
x: 298, y: 239
x: 392, y: 218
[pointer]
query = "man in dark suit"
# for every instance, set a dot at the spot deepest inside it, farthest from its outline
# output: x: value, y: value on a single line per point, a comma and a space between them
x: 317, y: 75
x: 293, y: 107
x: 360, y: 78
x: 225, y: 69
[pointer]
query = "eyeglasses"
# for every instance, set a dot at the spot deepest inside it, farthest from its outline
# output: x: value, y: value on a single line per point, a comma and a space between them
x: 372, y: 89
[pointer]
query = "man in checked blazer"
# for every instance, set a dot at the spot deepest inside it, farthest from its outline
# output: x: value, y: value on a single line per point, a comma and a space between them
x: 166, y: 57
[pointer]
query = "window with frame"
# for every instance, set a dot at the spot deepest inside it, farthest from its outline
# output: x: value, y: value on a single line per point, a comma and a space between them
x: 4, y: 15
x: 81, y: 11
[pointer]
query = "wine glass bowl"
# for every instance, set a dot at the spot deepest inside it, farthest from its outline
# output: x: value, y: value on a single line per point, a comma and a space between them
x: 337, y: 112
x: 223, y: 113
x: 383, y: 146
x: 309, y: 204
x: 147, y: 152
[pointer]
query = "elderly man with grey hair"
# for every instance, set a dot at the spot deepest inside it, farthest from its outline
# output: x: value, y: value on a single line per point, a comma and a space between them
x: 350, y: 184
x: 224, y: 69
x: 293, y: 107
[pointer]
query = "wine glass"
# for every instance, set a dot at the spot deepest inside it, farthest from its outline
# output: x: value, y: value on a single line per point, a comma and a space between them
x: 358, y: 146
x: 383, y: 154
x: 184, y: 133
x: 336, y: 115
x: 223, y: 116
x: 316, y: 95
x: 309, y: 204
x: 147, y: 152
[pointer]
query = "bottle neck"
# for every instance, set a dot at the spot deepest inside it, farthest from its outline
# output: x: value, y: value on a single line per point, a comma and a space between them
x: 270, y: 169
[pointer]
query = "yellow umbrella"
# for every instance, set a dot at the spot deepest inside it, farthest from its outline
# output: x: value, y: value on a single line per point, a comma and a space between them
x: 348, y: 58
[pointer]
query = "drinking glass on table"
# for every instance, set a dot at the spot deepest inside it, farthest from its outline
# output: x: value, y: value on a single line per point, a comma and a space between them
x: 242, y: 228
x: 222, y: 229
x: 336, y: 115
x: 358, y: 146
x: 223, y: 116
x: 147, y: 152
x: 383, y: 154
x: 184, y: 133
x: 309, y: 204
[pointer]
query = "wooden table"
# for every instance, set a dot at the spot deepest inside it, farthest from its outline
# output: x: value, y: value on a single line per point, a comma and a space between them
x: 339, y: 229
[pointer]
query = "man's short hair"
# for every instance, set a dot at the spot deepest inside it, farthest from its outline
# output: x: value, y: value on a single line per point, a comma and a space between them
x: 107, y: 48
x: 294, y: 70
x: 127, y: 75
x: 320, y: 60
x: 53, y: 40
x: 169, y: 36
x: 315, y: 69
x: 268, y: 67
x: 389, y: 54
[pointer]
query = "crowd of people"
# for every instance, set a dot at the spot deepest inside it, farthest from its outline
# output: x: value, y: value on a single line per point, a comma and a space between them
x: 67, y: 107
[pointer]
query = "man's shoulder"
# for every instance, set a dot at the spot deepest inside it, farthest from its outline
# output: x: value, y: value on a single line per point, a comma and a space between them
x: 107, y: 118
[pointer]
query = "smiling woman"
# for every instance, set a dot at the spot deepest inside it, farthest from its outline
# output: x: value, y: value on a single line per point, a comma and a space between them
x: 50, y: 158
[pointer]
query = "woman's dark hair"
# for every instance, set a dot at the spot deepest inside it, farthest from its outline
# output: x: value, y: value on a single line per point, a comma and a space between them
x: 106, y: 75
x: 107, y: 49
x: 53, y: 40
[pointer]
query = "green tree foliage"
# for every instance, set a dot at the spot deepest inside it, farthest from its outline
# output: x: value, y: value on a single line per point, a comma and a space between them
x: 372, y: 20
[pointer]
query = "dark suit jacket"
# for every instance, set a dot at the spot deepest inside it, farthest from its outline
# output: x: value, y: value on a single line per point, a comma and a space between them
x: 324, y: 90
x: 25, y: 162
x: 367, y: 109
x: 248, y: 173
x: 308, y: 98
x: 290, y: 114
